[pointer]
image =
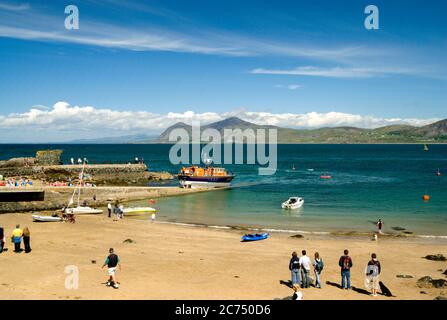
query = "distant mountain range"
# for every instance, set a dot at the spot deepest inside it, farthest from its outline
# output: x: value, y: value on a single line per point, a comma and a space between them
x: 137, y: 138
x: 432, y: 133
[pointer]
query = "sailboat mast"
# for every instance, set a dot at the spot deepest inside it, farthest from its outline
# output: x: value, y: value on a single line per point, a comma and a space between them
x: 81, y: 177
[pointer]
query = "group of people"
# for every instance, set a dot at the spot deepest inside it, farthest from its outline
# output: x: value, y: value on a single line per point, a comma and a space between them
x: 300, y: 268
x: 117, y: 209
x: 17, y: 182
x: 18, y: 235
x: 79, y: 161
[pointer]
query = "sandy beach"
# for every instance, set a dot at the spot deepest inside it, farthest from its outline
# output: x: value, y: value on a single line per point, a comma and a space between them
x: 180, y: 262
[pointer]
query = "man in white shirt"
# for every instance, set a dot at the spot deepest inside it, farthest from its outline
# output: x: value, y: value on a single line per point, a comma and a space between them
x: 305, y: 269
x: 109, y: 209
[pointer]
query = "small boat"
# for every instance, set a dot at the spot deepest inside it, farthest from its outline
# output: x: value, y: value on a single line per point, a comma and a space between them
x: 83, y: 210
x: 138, y: 211
x: 325, y: 176
x: 438, y: 173
x: 292, y: 203
x: 39, y: 218
x: 425, y: 147
x: 310, y: 170
x: 293, y: 167
x: 255, y: 237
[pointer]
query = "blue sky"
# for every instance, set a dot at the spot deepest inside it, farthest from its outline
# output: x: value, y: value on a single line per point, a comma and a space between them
x: 293, y: 63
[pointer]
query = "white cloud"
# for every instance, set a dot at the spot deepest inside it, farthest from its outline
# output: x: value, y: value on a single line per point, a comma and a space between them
x: 338, y: 72
x: 289, y: 86
x: 72, y: 121
x: 14, y: 7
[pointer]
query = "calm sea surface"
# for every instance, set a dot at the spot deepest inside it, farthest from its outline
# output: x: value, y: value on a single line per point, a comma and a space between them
x: 369, y: 182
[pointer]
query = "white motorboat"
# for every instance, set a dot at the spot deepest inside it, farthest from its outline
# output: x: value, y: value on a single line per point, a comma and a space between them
x: 83, y: 210
x: 39, y: 218
x: 138, y: 211
x: 293, y: 203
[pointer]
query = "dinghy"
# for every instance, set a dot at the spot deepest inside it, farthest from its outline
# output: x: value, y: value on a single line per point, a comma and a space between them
x: 80, y: 209
x: 83, y: 210
x: 39, y: 218
x: 138, y: 211
x: 255, y: 237
x: 292, y: 203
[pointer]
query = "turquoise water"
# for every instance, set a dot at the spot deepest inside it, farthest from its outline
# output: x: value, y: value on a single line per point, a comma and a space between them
x: 369, y: 182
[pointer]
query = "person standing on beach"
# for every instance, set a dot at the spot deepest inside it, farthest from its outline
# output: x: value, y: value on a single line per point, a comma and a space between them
x: 116, y: 212
x: 380, y: 225
x: 318, y: 267
x: 112, y: 261
x: 153, y: 217
x: 26, y: 239
x: 294, y: 267
x: 2, y: 239
x: 17, y: 234
x: 121, y: 211
x: 345, y: 264
x: 109, y: 209
x: 305, y: 269
x: 372, y: 275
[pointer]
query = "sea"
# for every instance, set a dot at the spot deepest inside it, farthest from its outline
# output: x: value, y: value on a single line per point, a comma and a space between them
x: 369, y: 182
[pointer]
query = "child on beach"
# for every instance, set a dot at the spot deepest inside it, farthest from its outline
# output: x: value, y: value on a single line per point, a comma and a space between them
x: 318, y: 267
x: 372, y: 275
x: 380, y: 225
x: 16, y: 237
x: 294, y: 267
x: 153, y: 217
x: 112, y: 261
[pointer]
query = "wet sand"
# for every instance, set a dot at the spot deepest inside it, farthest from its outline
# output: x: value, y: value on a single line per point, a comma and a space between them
x: 180, y: 262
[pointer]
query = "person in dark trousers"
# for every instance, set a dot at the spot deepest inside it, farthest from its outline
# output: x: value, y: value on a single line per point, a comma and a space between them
x: 109, y: 209
x: 2, y: 239
x: 345, y: 264
x: 379, y: 225
x: 294, y: 267
x: 112, y: 261
x: 16, y: 237
x: 26, y: 239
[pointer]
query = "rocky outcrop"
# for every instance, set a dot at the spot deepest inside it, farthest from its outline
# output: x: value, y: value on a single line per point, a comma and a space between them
x: 49, y: 157
x: 435, y: 257
x: 428, y: 282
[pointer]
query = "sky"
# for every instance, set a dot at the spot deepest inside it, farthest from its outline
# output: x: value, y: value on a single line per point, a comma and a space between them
x: 141, y: 66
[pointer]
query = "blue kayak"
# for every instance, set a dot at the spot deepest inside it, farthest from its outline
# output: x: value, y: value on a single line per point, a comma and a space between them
x: 255, y: 237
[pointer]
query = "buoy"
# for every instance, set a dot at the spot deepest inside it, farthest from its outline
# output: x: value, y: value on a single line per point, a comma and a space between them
x: 426, y: 197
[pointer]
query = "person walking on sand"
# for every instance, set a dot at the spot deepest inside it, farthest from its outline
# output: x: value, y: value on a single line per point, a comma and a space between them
x: 305, y: 269
x: 121, y: 211
x: 109, y: 209
x: 16, y: 237
x: 116, y: 212
x: 318, y: 267
x: 373, y: 270
x: 2, y: 239
x: 294, y: 267
x: 380, y: 225
x: 112, y: 261
x: 26, y: 239
x: 345, y: 264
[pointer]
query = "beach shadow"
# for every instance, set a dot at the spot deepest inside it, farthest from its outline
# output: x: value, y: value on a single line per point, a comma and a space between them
x: 334, y: 284
x: 287, y: 283
x: 361, y: 291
